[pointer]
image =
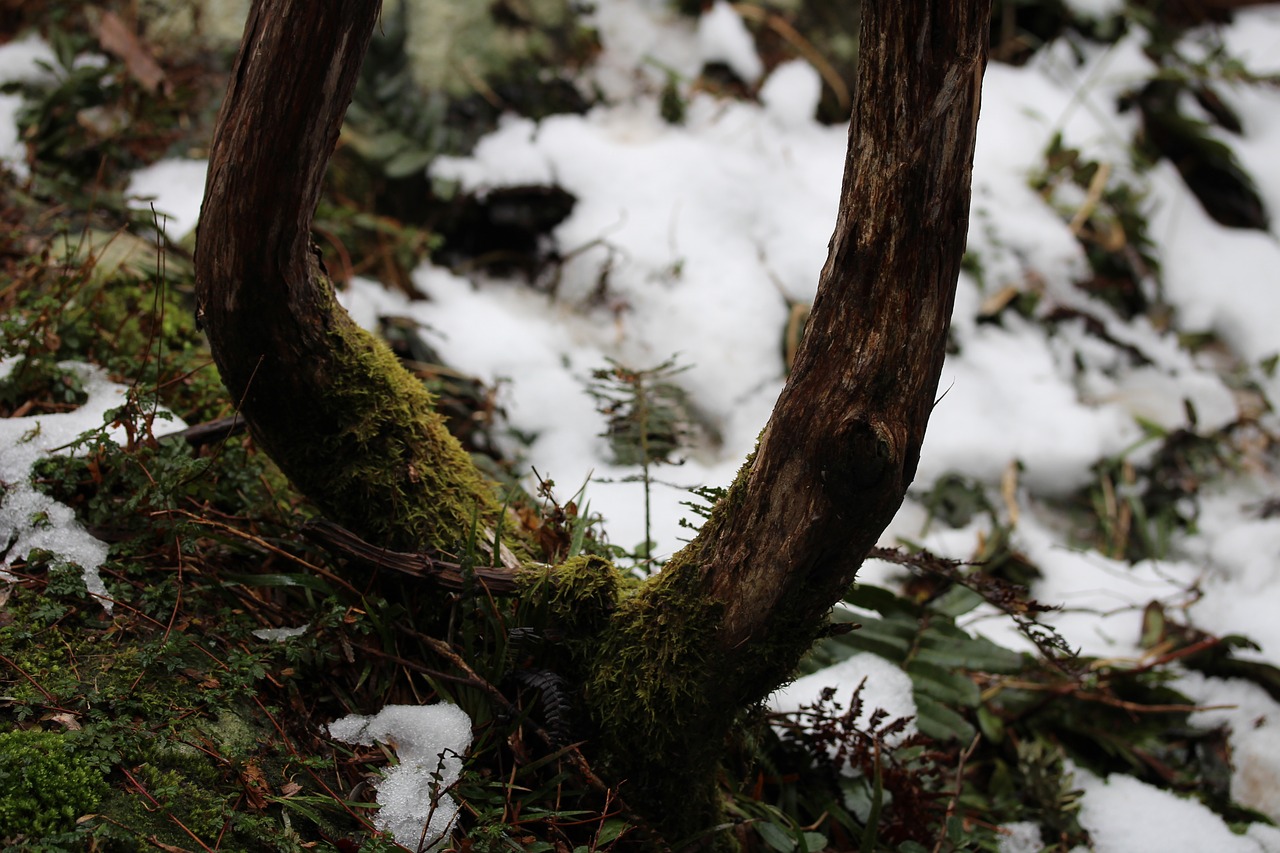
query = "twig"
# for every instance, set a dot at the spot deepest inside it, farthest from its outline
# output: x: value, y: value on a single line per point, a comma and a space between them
x: 450, y: 575
x: 262, y: 543
x: 209, y: 431
x: 955, y: 797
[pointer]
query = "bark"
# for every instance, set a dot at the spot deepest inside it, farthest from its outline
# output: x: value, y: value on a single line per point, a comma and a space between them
x: 842, y: 445
x: 327, y: 401
x: 730, y: 616
x: 667, y: 671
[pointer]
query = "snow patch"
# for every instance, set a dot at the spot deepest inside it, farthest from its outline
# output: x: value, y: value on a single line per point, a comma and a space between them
x: 429, y: 741
x: 30, y: 519
x: 791, y: 93
x: 175, y: 189
x: 887, y: 687
x: 723, y: 37
x: 1125, y: 815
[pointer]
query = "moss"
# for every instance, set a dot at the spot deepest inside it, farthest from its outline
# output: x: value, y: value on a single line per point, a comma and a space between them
x: 577, y: 596
x: 659, y: 728
x: 390, y: 469
x: 44, y: 784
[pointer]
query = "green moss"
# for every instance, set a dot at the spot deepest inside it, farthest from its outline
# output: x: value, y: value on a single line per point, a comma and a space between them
x: 578, y: 595
x: 389, y: 469
x: 659, y: 728
x: 44, y: 784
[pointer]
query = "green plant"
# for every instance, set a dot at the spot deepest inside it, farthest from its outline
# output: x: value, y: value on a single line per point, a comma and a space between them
x: 45, y: 784
x: 647, y: 425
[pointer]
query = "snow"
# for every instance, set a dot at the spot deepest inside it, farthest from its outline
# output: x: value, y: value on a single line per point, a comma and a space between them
x: 1252, y: 719
x: 31, y: 519
x: 791, y: 93
x: 175, y: 188
x: 723, y: 37
x: 1020, y: 837
x: 24, y: 60
x: 429, y: 741
x: 886, y: 688
x: 20, y: 62
x: 279, y: 635
x: 1095, y: 8
x: 1125, y: 815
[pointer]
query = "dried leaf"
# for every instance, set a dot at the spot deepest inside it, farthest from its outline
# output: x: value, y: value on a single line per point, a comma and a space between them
x: 68, y: 720
x: 256, y: 788
x: 120, y: 41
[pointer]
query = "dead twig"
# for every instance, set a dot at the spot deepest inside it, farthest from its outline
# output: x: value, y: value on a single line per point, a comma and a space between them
x: 496, y: 579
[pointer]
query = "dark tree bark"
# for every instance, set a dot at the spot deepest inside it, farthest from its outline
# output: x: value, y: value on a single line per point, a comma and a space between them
x: 752, y: 591
x: 666, y: 672
x: 326, y: 400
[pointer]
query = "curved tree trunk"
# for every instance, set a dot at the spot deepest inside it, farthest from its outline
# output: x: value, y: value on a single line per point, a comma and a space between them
x: 669, y: 670
x: 326, y: 400
x: 752, y: 591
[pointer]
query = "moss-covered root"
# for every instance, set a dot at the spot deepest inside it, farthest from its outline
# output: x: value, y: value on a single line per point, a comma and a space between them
x: 660, y: 729
x: 375, y: 455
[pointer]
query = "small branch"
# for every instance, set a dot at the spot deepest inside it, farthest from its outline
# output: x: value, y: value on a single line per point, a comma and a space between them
x: 261, y: 543
x: 209, y: 431
x: 450, y: 575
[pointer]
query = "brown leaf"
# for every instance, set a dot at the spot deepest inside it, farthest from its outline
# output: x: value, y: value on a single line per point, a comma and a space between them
x: 120, y: 41
x: 256, y: 788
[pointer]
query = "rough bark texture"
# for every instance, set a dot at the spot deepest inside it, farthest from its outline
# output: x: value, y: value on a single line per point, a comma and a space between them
x: 844, y: 439
x: 328, y: 402
x: 732, y: 614
x: 667, y: 670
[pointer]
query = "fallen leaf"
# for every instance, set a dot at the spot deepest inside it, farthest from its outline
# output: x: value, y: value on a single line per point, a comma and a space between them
x: 256, y: 788
x: 120, y: 41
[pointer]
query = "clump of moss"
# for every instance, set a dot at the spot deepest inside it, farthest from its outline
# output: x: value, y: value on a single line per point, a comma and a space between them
x: 44, y: 784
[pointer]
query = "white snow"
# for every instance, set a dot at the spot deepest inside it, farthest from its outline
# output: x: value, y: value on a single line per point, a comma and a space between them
x: 27, y: 60
x: 1125, y: 815
x: 31, y: 519
x: 1020, y: 837
x: 1095, y: 8
x: 723, y: 37
x: 20, y: 62
x: 175, y: 189
x: 886, y: 688
x: 429, y: 741
x: 279, y: 635
x: 791, y: 93
x: 1252, y: 719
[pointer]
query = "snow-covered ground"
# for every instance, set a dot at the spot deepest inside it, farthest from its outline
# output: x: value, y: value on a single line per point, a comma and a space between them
x: 704, y: 234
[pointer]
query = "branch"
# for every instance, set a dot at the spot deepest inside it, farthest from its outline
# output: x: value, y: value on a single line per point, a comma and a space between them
x: 497, y: 579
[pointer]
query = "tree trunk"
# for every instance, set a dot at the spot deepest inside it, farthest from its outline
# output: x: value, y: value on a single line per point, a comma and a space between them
x: 327, y: 401
x: 666, y: 672
x: 731, y: 615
